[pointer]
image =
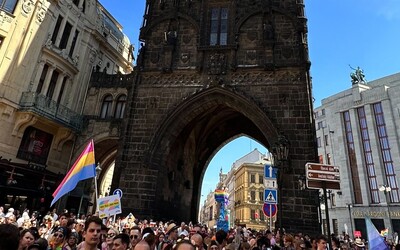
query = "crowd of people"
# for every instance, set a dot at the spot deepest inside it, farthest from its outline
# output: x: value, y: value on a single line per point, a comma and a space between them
x: 33, y: 231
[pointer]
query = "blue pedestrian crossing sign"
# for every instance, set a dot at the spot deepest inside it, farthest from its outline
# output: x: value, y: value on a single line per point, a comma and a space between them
x: 269, y: 171
x: 271, y: 196
x: 118, y: 192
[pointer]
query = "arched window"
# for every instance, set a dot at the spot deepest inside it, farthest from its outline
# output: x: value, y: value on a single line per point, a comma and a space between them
x: 106, y: 107
x: 120, y: 108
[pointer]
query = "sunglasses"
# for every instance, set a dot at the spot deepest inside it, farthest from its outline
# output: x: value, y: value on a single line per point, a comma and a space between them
x: 58, y: 235
x: 110, y: 235
x: 134, y: 236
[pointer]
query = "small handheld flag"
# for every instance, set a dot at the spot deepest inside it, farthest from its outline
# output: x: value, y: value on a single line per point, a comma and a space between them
x: 83, y: 168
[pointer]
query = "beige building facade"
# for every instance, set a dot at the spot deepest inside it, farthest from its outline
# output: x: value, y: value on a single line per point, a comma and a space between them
x: 48, y: 51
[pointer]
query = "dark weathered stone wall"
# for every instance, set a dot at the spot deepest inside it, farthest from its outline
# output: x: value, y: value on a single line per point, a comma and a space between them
x: 190, y: 98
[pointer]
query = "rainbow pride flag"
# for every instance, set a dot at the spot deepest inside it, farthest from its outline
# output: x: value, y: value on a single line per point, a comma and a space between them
x: 219, y: 195
x: 385, y: 232
x: 83, y: 168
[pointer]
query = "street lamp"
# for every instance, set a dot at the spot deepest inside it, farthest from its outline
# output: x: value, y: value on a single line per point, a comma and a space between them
x: 386, y: 189
x: 280, y: 154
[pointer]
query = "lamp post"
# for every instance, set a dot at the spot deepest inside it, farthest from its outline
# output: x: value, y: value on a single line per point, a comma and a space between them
x: 386, y: 189
x: 349, y: 205
x: 280, y: 154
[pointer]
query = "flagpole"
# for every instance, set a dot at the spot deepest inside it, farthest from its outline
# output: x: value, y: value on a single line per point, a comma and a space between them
x: 98, y: 170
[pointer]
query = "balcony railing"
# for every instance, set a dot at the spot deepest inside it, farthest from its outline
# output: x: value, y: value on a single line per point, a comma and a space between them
x: 44, y: 106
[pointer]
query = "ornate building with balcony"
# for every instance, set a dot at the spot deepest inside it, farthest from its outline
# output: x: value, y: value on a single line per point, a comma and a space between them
x: 48, y: 53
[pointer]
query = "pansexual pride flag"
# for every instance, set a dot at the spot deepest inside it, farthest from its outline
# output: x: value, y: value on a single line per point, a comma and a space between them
x: 84, y: 168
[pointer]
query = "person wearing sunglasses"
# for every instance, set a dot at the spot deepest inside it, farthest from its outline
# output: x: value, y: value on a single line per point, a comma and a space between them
x: 135, y: 236
x: 108, y: 244
x: 57, y: 240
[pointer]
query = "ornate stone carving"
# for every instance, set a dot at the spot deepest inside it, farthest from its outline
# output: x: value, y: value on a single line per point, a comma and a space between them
x: 27, y: 6
x: 41, y: 13
x: 5, y: 18
x: 217, y: 64
x: 171, y: 80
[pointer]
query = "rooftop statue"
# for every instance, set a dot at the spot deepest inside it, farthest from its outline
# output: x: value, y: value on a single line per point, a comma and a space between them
x: 357, y: 77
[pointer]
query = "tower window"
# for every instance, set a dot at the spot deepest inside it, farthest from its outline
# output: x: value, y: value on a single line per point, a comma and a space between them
x: 219, y: 26
x: 8, y: 5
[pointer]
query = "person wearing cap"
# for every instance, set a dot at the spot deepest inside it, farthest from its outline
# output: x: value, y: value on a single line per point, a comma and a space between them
x: 58, y: 238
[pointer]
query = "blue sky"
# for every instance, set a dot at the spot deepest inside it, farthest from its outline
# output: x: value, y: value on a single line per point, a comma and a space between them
x: 364, y: 33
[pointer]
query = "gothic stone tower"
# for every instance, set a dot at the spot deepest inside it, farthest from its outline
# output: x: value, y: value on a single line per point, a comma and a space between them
x: 210, y: 71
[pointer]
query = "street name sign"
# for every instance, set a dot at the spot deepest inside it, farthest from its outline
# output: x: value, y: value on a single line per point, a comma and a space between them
x: 322, y: 176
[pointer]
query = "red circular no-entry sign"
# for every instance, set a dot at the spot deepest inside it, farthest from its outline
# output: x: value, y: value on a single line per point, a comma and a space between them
x: 270, y: 210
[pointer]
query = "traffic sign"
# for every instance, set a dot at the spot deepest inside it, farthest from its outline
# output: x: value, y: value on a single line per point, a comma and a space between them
x: 270, y: 172
x: 270, y: 183
x: 118, y: 192
x: 270, y: 210
x: 271, y: 196
x: 322, y: 176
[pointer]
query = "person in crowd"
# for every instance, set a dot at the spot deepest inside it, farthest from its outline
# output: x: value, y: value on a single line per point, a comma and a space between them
x: 220, y: 237
x: 213, y: 245
x: 110, y: 239
x: 26, y: 239
x: 160, y: 238
x: 39, y: 244
x: 58, y: 239
x: 121, y: 242
x: 321, y: 242
x: 9, y: 237
x: 149, y: 237
x: 135, y: 236
x: 72, y: 240
x: 197, y: 240
x: 288, y: 242
x: 183, y: 244
x: 91, y: 234
x: 172, y: 233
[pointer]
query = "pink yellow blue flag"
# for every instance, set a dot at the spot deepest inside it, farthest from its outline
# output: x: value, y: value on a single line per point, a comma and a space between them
x: 83, y: 168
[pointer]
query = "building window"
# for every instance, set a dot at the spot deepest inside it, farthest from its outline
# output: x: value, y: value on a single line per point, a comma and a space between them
x: 319, y: 142
x: 320, y: 125
x: 333, y: 199
x: 62, y: 90
x: 260, y: 179
x: 252, y: 214
x: 261, y: 196
x: 368, y: 156
x: 42, y: 78
x: 386, y: 152
x: 335, y: 226
x: 262, y: 216
x: 1, y: 40
x: 252, y: 195
x: 351, y: 153
x: 8, y: 5
x: 52, y: 84
x: 252, y: 178
x: 326, y: 140
x: 65, y: 36
x: 328, y: 159
x: 210, y: 215
x: 56, y: 29
x: 106, y: 107
x: 219, y: 26
x: 323, y: 112
x: 76, y: 2
x: 71, y: 50
x: 120, y: 108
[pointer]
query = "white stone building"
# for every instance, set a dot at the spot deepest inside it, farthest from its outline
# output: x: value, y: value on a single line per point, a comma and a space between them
x: 358, y: 130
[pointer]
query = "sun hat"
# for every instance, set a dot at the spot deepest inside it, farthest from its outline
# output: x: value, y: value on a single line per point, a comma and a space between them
x: 359, y: 242
x: 171, y: 226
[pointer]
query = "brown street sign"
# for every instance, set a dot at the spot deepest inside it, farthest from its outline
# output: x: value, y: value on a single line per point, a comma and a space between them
x: 311, y: 184
x: 323, y: 177
x: 321, y: 167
